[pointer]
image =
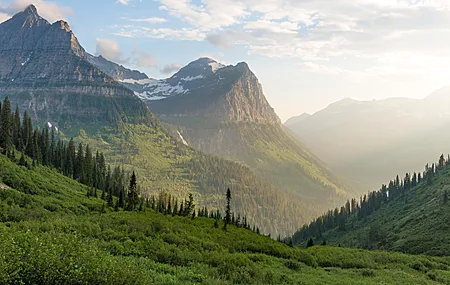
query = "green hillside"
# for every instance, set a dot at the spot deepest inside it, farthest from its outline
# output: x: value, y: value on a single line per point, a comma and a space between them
x: 164, y: 164
x: 410, y: 215
x: 269, y: 151
x: 52, y: 233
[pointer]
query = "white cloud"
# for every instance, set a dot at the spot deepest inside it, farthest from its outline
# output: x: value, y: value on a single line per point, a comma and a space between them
x: 141, y: 58
x: 341, y: 36
x: 151, y: 20
x: 170, y: 68
x: 110, y: 50
x: 123, y: 2
x: 4, y: 17
x: 49, y: 10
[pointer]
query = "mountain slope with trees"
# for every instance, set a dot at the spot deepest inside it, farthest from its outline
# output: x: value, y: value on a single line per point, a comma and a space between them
x: 410, y: 215
x: 57, y: 234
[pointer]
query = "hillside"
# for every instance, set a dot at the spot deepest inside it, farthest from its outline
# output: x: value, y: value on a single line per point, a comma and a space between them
x: 371, y: 140
x: 59, y: 235
x: 222, y: 110
x: 404, y: 216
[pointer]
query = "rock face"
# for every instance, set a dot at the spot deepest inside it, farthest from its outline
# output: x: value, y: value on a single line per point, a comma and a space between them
x: 45, y: 70
x: 208, y: 89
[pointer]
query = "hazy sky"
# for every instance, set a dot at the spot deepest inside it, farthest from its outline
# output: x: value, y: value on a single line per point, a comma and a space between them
x: 306, y: 53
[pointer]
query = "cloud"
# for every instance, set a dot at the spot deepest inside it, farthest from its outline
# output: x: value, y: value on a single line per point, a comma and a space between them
x: 183, y: 34
x: 170, y: 68
x: 142, y: 58
x: 110, y: 50
x: 49, y: 10
x: 123, y: 2
x: 152, y: 20
x: 221, y: 40
x: 341, y: 36
x: 4, y: 17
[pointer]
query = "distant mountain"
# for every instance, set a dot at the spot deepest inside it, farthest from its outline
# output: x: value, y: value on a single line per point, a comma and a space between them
x: 297, y: 119
x: 369, y: 141
x: 222, y: 110
x: 116, y: 71
x: 43, y: 68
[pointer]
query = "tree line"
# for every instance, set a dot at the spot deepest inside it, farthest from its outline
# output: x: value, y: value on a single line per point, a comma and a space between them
x: 118, y: 189
x: 371, y: 202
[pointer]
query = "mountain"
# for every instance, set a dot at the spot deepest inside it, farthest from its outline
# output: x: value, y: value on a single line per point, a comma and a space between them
x: 372, y: 140
x: 43, y: 68
x: 297, y: 119
x: 59, y: 87
x: 410, y: 216
x: 222, y: 110
x: 205, y: 88
x: 59, y: 235
x: 132, y: 79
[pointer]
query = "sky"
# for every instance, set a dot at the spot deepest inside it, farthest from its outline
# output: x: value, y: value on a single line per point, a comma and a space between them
x: 306, y: 53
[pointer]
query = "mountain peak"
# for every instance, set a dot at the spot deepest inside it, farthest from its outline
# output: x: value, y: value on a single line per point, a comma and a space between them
x: 31, y: 9
x: 28, y: 18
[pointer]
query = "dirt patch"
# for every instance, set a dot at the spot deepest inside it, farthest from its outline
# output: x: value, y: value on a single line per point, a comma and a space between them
x: 3, y: 186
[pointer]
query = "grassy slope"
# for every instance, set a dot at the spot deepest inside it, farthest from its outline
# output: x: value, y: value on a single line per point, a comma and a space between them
x: 164, y: 164
x: 270, y: 151
x: 76, y: 244
x: 418, y: 223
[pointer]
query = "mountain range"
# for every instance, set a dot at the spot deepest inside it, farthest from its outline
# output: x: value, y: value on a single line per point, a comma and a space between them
x: 222, y: 110
x: 46, y: 72
x: 373, y: 140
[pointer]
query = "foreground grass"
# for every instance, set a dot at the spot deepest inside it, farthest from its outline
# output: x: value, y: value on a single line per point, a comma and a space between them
x: 51, y: 233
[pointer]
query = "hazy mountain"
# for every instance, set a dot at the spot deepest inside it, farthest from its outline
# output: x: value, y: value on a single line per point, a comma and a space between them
x: 222, y: 110
x: 297, y: 119
x: 370, y: 141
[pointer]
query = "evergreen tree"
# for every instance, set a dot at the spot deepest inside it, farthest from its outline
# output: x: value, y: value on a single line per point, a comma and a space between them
x: 310, y: 243
x: 228, y: 210
x: 17, y: 129
x: 445, y: 197
x: 132, y: 193
x: 6, y: 127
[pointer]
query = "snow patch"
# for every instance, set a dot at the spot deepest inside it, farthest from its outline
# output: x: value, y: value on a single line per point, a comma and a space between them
x: 182, y: 139
x: 25, y: 62
x: 191, y: 78
x: 140, y: 81
x: 216, y: 66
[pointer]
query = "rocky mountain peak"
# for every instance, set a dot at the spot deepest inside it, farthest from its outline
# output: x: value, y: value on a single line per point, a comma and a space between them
x: 28, y: 18
x: 63, y: 25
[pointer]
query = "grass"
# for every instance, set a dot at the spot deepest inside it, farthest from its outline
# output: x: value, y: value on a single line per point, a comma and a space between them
x: 79, y: 241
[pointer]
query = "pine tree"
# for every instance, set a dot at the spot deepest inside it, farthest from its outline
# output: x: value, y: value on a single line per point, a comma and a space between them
x: 445, y: 197
x: 6, y: 127
x: 228, y: 210
x: 132, y: 193
x: 17, y: 130
x: 310, y: 243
